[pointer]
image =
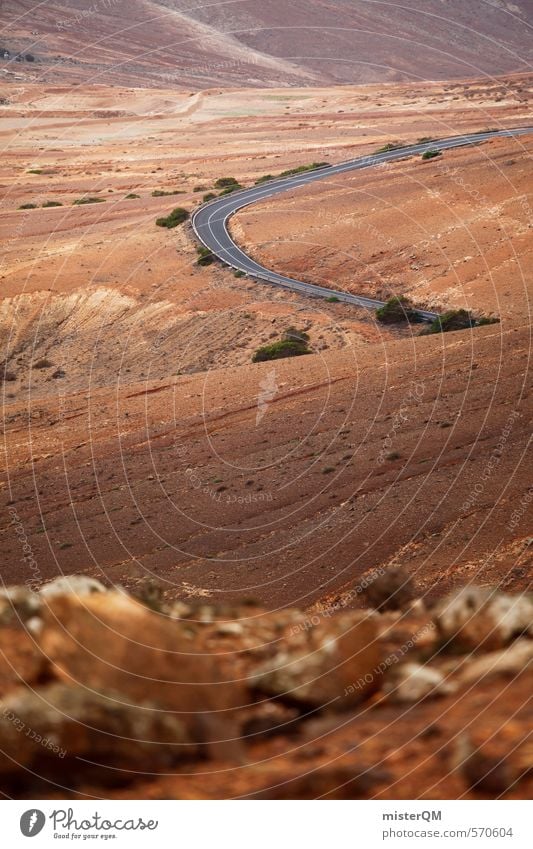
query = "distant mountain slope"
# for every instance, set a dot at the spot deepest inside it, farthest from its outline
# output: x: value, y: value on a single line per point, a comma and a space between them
x: 264, y: 42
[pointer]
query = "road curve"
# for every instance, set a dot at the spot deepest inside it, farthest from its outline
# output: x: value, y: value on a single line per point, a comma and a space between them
x: 210, y: 221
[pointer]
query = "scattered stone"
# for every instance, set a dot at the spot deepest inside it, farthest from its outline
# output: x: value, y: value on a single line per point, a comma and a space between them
x: 511, y: 661
x: 411, y: 682
x: 483, y: 771
x: 17, y: 605
x: 40, y: 728
x: 339, y: 666
x: 477, y: 618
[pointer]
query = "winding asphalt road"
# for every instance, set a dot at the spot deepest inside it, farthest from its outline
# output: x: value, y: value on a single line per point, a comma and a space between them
x: 210, y: 221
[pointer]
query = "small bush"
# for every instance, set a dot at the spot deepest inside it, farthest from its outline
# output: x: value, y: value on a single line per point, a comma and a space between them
x: 229, y: 189
x: 301, y: 169
x: 294, y: 335
x: 391, y: 589
x: 397, y: 310
x: 209, y: 196
x: 200, y: 189
x: 49, y: 203
x: 449, y: 321
x: 82, y: 201
x: 280, y: 350
x: 35, y: 171
x: 177, y: 216
x: 484, y: 320
x: 226, y: 182
x: 43, y: 363
x: 131, y: 196
x: 390, y: 146
x: 205, y: 256
x: 265, y: 179
x: 28, y: 206
x: 431, y: 154
x: 239, y: 273
x: 333, y: 299
x: 161, y: 193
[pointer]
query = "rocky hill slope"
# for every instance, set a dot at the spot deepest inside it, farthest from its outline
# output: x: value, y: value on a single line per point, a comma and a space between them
x: 252, y: 43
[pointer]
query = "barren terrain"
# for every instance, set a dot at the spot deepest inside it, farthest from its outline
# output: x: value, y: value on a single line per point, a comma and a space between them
x: 259, y: 44
x: 141, y: 445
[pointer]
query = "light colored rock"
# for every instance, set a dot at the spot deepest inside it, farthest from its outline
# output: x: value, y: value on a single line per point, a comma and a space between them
x: 476, y: 617
x: 411, y: 682
x: 511, y: 661
x: 340, y: 666
x: 18, y: 604
x: 78, y: 584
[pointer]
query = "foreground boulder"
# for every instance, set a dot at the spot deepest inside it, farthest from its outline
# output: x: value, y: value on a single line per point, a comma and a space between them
x: 479, y: 618
x: 40, y: 728
x: 340, y: 665
x: 108, y: 641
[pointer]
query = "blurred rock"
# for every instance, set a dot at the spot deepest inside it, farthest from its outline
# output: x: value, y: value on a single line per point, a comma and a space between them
x: 108, y: 641
x: 391, y: 589
x: 411, y: 682
x: 511, y: 661
x: 17, y: 605
x: 339, y: 666
x: 21, y: 661
x: 41, y: 728
x: 78, y: 584
x: 477, y: 618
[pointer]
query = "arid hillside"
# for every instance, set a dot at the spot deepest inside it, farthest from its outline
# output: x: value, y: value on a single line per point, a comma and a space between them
x: 252, y: 43
x: 305, y: 578
x: 139, y: 438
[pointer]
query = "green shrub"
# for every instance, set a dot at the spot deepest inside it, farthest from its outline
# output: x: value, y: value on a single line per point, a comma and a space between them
x: 177, y: 216
x: 205, y: 256
x: 239, y: 273
x: 265, y: 179
x: 200, y: 189
x: 82, y: 201
x: 226, y: 182
x: 49, y: 203
x: 161, y: 193
x: 397, y: 310
x: 390, y: 146
x: 209, y: 196
x: 44, y: 362
x: 333, y: 299
x: 28, y: 206
x: 281, y: 350
x: 294, y: 335
x: 229, y: 189
x: 301, y: 169
x: 131, y: 196
x: 431, y: 154
x: 484, y: 320
x: 35, y: 171
x: 449, y: 321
